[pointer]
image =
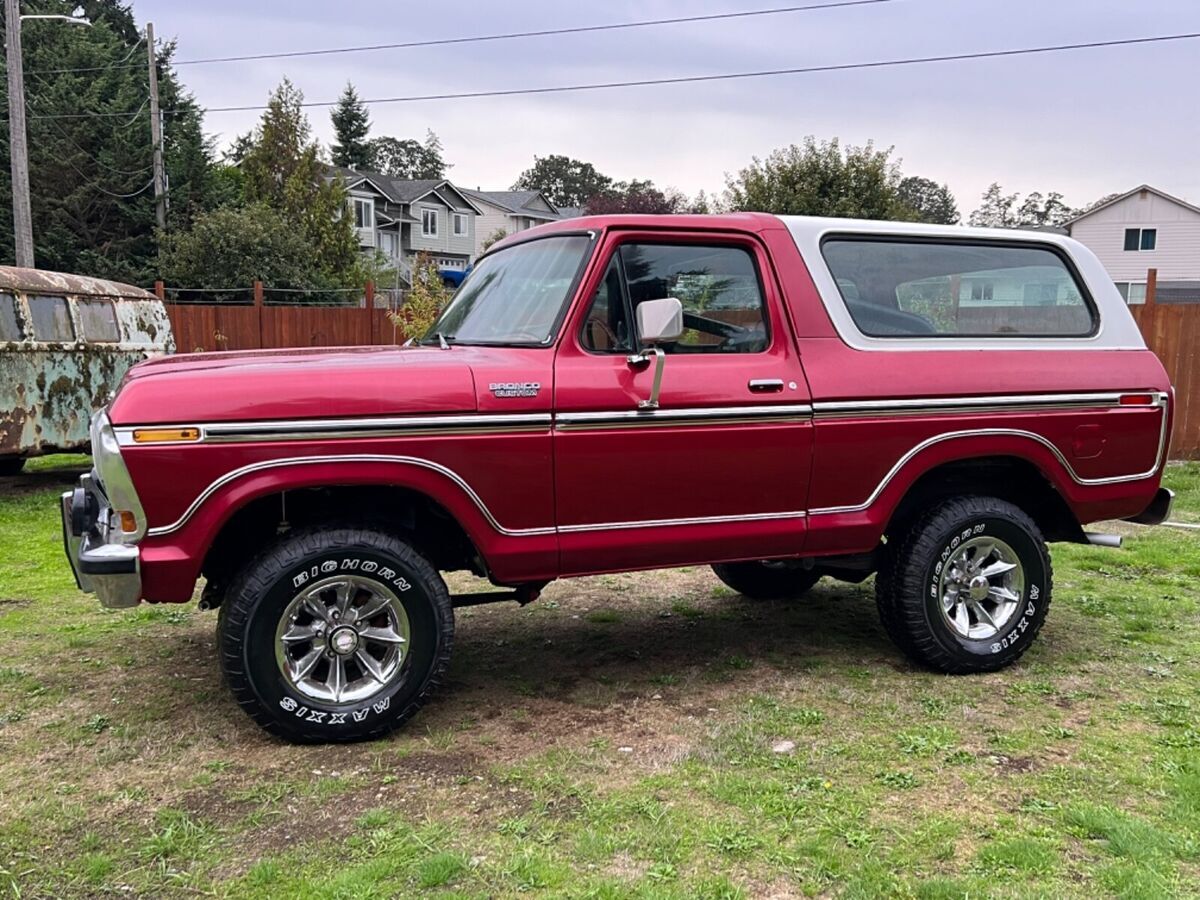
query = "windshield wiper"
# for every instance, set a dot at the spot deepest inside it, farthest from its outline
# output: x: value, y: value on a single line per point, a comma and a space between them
x: 443, y: 340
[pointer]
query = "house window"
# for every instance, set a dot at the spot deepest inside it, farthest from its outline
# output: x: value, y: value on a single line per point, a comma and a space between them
x: 429, y: 223
x: 982, y: 290
x: 364, y: 213
x: 1141, y: 238
x: 460, y: 225
x: 1136, y: 294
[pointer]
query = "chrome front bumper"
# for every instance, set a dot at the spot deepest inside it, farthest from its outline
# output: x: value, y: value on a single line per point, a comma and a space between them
x: 110, y: 570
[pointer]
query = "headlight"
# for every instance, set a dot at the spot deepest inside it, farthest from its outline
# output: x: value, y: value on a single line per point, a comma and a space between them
x: 128, y: 521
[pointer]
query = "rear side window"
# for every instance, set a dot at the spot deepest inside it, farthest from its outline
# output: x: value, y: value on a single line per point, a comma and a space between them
x: 51, y: 319
x: 98, y: 319
x: 910, y: 288
x: 10, y: 324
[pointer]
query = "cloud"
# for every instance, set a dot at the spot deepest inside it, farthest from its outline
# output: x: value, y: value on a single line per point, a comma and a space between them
x: 1084, y: 123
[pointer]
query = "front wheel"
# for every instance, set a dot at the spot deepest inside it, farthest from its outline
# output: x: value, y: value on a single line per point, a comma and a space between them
x: 968, y: 587
x: 335, y: 634
x: 768, y: 579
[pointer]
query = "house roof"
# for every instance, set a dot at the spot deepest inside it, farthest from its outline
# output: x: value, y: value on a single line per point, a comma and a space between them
x: 517, y: 202
x: 400, y: 190
x: 1127, y: 195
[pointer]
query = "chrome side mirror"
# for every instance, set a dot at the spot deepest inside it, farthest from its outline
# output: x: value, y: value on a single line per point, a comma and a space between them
x: 658, y: 322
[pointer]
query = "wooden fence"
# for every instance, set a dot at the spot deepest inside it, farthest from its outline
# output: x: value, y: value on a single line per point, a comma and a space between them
x: 357, y: 319
x: 1172, y: 330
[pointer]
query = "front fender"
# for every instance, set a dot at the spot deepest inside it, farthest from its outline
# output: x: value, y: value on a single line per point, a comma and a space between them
x: 173, y: 553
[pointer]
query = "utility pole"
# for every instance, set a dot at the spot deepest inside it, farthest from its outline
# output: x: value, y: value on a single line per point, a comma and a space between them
x: 18, y: 148
x: 160, y: 193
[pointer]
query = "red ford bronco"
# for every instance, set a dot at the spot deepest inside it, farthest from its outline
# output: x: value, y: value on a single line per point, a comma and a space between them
x: 783, y: 398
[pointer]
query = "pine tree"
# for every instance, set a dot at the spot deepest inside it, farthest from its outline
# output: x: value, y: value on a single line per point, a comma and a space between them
x: 90, y: 151
x: 351, y: 125
x: 282, y: 170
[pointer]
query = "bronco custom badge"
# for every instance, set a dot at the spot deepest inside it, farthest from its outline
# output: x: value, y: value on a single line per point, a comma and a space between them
x: 515, y: 388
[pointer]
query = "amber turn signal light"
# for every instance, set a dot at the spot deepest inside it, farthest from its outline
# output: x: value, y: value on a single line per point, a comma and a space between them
x: 128, y: 521
x: 165, y: 435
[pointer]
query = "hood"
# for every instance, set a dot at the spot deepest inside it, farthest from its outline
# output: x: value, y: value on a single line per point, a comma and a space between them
x: 294, y: 384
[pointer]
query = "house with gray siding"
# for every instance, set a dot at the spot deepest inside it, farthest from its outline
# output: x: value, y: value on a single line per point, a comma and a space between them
x: 509, y: 212
x: 1144, y: 229
x: 402, y: 217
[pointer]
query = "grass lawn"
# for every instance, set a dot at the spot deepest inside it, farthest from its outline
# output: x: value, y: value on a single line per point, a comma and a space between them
x: 646, y: 735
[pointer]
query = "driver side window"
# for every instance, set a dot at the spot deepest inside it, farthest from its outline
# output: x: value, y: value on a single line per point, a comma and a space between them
x: 718, y: 286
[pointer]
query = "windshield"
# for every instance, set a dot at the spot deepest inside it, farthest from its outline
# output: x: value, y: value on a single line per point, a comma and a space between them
x: 514, y: 296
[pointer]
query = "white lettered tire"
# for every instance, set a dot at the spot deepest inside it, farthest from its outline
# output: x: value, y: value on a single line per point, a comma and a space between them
x: 335, y: 634
x: 968, y: 587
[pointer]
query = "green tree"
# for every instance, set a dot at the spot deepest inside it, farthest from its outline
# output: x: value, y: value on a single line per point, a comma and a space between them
x: 283, y: 170
x: 425, y: 301
x: 406, y: 158
x: 351, y: 125
x: 90, y: 149
x: 566, y: 182
x: 494, y: 238
x: 929, y: 201
x: 818, y: 178
x: 237, y: 245
x: 634, y: 197
x: 1001, y: 210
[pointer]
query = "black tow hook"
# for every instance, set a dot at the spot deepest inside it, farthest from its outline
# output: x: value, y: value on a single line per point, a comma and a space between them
x: 85, y: 512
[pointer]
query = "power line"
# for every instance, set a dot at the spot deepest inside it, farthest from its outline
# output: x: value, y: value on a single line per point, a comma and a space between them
x: 727, y: 76
x: 122, y: 63
x: 97, y: 160
x: 504, y: 36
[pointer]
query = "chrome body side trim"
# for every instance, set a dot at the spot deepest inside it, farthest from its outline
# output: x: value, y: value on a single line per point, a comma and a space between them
x: 633, y: 418
x: 667, y: 523
x: 999, y: 403
x: 349, y: 458
x: 387, y: 426
x: 719, y: 415
x: 1001, y: 432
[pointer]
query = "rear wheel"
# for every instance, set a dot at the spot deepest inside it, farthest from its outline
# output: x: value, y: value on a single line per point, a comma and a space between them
x: 767, y: 579
x: 335, y: 634
x: 968, y: 587
x: 12, y: 465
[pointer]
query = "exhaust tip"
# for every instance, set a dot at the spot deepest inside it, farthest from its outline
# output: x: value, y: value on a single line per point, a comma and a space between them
x: 1104, y: 540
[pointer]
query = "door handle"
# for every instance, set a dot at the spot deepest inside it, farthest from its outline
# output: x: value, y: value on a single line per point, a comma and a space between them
x: 765, y: 385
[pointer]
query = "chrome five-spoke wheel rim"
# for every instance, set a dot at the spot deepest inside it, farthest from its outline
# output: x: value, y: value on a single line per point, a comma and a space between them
x: 981, y: 587
x: 342, y: 640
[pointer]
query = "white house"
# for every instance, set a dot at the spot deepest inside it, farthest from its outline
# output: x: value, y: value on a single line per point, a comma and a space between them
x: 509, y: 212
x: 403, y: 217
x: 1140, y: 230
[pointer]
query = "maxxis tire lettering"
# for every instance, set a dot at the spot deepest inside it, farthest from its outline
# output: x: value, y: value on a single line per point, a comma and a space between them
x: 257, y: 596
x: 907, y: 585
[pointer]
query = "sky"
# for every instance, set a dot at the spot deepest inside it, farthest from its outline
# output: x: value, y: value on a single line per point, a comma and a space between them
x: 1085, y: 123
